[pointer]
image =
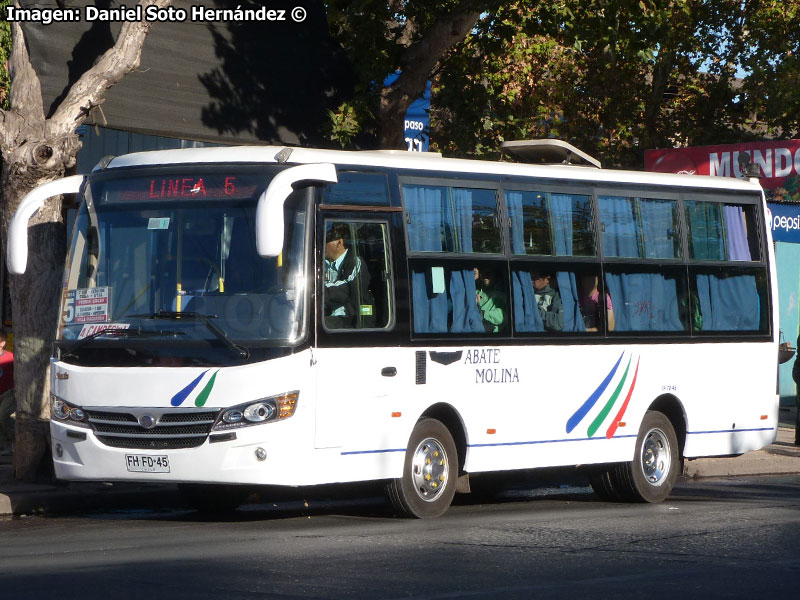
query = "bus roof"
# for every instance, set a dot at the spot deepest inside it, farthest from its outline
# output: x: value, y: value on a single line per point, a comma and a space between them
x: 420, y: 161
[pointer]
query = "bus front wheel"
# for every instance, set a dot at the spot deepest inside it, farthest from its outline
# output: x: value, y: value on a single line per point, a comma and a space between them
x: 430, y: 471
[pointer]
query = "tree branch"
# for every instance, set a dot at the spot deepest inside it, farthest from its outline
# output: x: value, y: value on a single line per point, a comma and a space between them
x: 90, y: 89
x: 417, y: 63
x: 25, y: 96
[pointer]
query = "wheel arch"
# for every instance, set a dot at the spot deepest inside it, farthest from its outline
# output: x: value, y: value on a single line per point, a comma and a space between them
x: 673, y: 409
x: 450, y: 418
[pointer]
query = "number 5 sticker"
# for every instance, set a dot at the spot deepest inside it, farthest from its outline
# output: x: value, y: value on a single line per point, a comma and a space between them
x: 68, y: 306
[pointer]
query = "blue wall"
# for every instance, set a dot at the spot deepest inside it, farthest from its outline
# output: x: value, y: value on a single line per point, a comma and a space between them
x: 787, y: 258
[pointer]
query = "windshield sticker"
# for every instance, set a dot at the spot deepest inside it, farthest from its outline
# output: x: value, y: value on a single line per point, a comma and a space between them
x: 88, y: 330
x: 88, y: 305
x: 158, y: 223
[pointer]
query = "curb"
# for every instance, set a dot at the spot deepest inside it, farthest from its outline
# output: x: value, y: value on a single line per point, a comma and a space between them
x: 26, y: 499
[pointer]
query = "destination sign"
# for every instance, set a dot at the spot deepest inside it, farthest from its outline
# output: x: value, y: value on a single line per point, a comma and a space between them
x: 234, y: 186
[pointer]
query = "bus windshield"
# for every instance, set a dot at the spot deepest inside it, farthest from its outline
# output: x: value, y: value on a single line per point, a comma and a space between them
x: 169, y: 260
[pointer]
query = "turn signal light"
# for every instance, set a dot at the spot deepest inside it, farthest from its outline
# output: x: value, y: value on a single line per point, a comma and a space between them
x: 286, y: 404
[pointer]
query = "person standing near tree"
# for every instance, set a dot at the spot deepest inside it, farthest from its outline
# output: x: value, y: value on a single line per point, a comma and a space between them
x: 7, y: 401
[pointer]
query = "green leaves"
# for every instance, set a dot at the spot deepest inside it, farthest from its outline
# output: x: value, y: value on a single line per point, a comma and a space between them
x: 5, y: 52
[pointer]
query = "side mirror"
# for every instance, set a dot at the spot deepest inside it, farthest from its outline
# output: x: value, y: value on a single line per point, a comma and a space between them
x: 17, y: 251
x: 269, y: 212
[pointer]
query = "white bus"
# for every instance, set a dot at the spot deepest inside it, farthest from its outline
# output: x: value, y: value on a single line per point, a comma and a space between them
x: 293, y: 317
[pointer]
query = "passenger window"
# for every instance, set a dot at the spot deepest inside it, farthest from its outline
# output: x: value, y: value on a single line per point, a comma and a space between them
x: 460, y: 299
x: 649, y: 298
x: 545, y: 300
x: 550, y: 224
x: 357, y: 282
x: 362, y: 189
x: 729, y: 299
x: 445, y: 219
x: 722, y: 231
x: 639, y: 227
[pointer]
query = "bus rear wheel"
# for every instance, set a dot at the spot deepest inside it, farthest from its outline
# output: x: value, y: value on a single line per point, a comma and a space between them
x: 428, y: 483
x: 652, y: 473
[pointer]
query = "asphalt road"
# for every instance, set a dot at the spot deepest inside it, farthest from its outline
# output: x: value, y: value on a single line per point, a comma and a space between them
x: 716, y: 538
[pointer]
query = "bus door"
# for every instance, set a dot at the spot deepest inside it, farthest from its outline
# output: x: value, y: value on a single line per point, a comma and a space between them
x: 359, y: 369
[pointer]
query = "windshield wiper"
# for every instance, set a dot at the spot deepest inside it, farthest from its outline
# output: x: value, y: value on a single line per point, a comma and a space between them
x: 112, y: 331
x: 240, y: 351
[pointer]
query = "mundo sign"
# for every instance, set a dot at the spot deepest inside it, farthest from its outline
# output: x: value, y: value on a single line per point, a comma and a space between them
x: 778, y: 163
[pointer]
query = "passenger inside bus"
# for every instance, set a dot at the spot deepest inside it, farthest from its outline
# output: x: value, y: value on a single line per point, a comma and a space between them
x: 591, y: 307
x: 348, y: 303
x: 549, y: 302
x: 490, y: 299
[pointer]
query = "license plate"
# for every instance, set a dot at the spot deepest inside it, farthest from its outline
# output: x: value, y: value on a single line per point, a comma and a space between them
x: 146, y: 463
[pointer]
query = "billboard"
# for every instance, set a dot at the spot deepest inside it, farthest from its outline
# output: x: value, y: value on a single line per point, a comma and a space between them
x: 778, y: 163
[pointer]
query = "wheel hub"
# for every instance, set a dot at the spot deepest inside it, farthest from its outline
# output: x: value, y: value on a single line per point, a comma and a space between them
x: 429, y: 469
x: 656, y: 457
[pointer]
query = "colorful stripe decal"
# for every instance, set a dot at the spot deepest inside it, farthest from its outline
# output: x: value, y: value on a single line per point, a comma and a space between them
x: 607, y: 408
x: 615, y: 423
x: 178, y: 398
x: 591, y: 400
x: 203, y: 396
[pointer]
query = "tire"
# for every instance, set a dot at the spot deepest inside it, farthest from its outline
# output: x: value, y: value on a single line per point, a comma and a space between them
x: 652, y: 473
x: 430, y: 471
x: 656, y: 463
x: 213, y: 498
x: 605, y: 485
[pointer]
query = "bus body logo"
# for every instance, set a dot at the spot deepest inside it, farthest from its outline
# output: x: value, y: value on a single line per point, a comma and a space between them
x: 201, y: 398
x: 590, y: 402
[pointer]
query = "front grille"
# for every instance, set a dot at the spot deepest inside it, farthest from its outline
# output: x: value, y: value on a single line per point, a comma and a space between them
x: 179, y: 429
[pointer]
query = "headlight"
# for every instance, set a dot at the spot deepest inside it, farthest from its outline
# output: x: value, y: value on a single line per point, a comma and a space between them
x: 66, y: 412
x: 274, y: 408
x: 260, y: 412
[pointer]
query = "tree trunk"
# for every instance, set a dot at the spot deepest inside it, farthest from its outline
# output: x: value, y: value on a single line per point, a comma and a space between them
x: 417, y: 64
x: 34, y: 301
x: 36, y: 150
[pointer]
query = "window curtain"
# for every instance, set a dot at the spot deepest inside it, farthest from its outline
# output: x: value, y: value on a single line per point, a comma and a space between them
x: 658, y: 228
x: 705, y: 230
x: 466, y: 316
x: 642, y: 301
x: 526, y: 312
x: 620, y: 236
x: 517, y: 216
x: 738, y: 248
x: 561, y: 210
x: 427, y: 213
x: 730, y: 303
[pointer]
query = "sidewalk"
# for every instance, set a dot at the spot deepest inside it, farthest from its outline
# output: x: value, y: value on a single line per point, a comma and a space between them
x: 18, y: 498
